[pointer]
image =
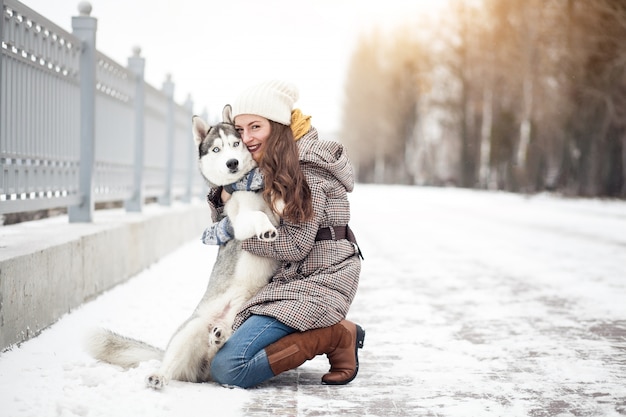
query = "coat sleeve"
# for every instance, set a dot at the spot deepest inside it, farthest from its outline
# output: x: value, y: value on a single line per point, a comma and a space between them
x: 294, y: 241
x: 214, y: 199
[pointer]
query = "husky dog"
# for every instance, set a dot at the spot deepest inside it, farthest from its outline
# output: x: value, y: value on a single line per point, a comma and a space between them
x: 236, y: 276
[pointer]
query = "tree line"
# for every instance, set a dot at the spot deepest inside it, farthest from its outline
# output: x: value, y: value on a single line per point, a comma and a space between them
x: 517, y: 95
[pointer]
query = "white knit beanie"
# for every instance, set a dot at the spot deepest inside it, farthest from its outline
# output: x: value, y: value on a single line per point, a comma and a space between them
x: 273, y: 100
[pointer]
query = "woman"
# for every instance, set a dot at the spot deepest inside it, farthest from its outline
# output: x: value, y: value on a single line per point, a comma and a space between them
x: 301, y: 312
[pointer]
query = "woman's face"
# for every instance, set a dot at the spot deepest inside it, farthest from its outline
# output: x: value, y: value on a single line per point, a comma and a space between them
x: 254, y: 130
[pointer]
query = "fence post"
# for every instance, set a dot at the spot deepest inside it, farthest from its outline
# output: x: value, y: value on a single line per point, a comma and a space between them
x: 168, y: 90
x: 1, y: 55
x: 191, y: 154
x: 137, y: 65
x: 84, y: 27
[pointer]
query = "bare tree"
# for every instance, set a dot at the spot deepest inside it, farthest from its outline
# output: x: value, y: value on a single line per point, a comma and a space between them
x: 380, y: 107
x: 522, y: 95
x: 360, y: 130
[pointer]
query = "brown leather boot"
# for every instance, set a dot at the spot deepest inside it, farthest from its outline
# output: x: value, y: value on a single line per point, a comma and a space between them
x: 344, y: 361
x: 340, y: 342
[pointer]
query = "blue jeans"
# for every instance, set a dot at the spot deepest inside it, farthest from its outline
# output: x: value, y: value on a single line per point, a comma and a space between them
x: 242, y: 360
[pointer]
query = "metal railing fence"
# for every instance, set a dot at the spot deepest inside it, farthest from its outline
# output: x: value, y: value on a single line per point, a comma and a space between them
x: 74, y: 124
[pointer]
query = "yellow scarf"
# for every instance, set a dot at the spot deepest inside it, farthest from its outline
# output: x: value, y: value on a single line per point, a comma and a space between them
x: 300, y: 124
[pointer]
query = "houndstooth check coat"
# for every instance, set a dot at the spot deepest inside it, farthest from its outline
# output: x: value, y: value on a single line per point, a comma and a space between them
x: 317, y: 280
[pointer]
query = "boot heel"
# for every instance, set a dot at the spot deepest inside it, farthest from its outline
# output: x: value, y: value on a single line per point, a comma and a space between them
x: 360, y: 337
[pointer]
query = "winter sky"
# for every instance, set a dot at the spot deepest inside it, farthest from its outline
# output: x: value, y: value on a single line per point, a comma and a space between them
x: 214, y: 49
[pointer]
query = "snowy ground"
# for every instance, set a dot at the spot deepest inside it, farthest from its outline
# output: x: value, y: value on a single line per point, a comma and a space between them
x: 474, y: 303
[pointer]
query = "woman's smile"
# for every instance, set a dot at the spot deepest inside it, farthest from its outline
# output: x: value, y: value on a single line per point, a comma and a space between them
x: 254, y: 130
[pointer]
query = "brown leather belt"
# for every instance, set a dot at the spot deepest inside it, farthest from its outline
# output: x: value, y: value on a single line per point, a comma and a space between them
x: 326, y: 233
x: 339, y: 232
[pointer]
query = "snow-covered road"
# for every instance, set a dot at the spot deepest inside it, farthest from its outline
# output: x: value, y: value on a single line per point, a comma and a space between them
x: 474, y: 303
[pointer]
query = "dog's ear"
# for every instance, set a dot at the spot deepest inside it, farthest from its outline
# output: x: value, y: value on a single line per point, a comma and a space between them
x: 227, y: 114
x: 200, y: 129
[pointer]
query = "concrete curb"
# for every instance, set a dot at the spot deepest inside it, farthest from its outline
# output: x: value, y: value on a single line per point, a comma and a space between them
x: 51, y: 266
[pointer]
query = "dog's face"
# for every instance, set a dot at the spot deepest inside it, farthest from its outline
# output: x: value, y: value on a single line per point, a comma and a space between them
x: 222, y: 156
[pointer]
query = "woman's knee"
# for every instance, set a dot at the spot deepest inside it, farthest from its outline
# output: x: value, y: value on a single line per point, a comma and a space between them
x: 227, y: 370
x: 222, y: 369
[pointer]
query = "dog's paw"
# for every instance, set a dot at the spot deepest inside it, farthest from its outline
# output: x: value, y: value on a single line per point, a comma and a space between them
x: 155, y: 381
x: 217, y: 336
x: 268, y: 235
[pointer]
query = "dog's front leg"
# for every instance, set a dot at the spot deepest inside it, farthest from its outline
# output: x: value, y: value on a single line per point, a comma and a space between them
x: 253, y: 223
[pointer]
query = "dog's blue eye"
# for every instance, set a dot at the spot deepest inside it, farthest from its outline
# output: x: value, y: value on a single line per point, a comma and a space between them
x: 235, y: 144
x: 216, y: 149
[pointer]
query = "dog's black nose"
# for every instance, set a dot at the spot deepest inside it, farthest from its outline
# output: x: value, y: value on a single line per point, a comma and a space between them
x: 232, y: 164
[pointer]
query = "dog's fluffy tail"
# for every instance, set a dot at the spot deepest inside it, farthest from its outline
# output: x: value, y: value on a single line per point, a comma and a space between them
x: 110, y: 347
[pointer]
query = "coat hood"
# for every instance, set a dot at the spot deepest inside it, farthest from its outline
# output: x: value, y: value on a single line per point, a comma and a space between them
x: 328, y: 155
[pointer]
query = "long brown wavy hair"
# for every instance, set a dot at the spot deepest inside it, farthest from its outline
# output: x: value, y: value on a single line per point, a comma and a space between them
x: 282, y: 175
